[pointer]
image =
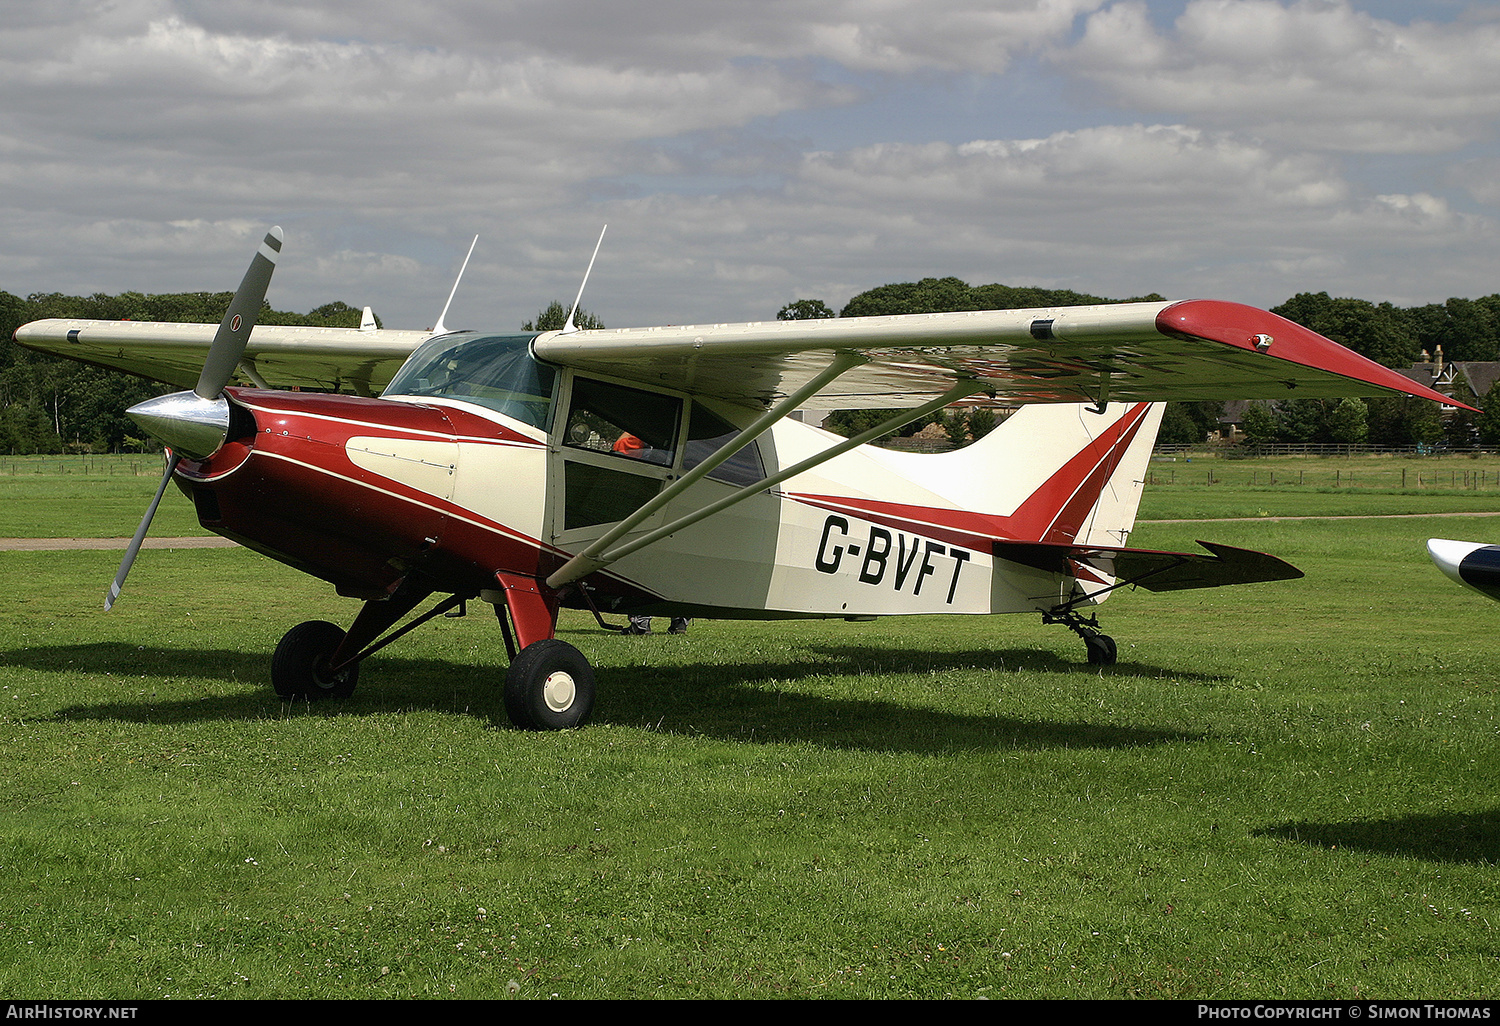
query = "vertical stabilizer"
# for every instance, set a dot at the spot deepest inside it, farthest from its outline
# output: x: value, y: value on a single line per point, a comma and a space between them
x: 1053, y: 473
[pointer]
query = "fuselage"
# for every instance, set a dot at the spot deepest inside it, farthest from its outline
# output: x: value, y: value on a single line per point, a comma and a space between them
x: 463, y: 471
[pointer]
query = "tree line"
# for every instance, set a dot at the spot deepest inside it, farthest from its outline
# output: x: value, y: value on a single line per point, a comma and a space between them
x: 52, y: 405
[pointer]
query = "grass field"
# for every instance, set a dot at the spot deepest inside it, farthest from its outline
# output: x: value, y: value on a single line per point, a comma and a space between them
x: 1206, y: 486
x: 87, y: 497
x: 1283, y: 790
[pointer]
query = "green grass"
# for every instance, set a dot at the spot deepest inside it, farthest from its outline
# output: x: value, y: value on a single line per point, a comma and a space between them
x: 1209, y: 486
x: 88, y: 497
x: 1284, y: 790
x: 104, y: 496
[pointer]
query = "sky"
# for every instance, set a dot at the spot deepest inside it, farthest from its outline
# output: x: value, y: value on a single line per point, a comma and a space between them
x: 747, y: 153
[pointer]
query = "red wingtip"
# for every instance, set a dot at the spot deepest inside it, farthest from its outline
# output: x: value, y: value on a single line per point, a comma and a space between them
x: 1253, y: 330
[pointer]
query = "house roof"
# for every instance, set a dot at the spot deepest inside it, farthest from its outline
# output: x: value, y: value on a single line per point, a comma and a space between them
x: 1480, y: 374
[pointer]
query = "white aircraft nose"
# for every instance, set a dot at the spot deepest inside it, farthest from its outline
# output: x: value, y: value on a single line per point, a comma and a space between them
x: 1449, y: 554
x: 1458, y: 560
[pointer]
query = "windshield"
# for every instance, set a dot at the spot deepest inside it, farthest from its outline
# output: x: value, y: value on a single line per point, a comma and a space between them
x: 494, y: 371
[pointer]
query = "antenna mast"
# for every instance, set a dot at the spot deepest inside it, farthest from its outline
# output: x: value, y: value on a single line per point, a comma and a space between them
x: 570, y: 327
x: 440, y: 328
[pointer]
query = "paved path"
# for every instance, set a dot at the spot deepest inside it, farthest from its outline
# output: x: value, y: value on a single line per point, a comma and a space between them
x: 215, y: 542
x: 1346, y: 516
x: 58, y: 544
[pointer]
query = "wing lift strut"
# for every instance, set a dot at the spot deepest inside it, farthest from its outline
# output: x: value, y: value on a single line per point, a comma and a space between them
x: 611, y: 546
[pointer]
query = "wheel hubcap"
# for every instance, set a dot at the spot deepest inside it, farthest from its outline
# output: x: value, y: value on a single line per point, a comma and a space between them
x: 322, y: 679
x: 558, y: 690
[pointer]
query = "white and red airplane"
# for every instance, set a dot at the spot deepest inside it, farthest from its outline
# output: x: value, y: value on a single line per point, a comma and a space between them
x: 657, y: 470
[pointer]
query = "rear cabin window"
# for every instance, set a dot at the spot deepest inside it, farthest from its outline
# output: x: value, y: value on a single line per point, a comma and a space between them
x: 707, y: 434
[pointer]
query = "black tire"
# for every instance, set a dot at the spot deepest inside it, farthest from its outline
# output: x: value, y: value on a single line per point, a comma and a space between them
x: 1101, y: 649
x: 302, y: 656
x: 550, y: 686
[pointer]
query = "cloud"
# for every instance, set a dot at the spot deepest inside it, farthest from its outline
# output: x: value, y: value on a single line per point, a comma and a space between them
x: 744, y: 153
x: 867, y: 35
x: 1315, y: 73
x: 177, y: 83
x: 1480, y: 178
x: 1117, y: 174
x: 1114, y: 210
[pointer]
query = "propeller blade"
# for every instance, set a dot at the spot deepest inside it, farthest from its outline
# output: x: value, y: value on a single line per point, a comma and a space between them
x: 223, y: 357
x: 140, y: 534
x: 234, y: 331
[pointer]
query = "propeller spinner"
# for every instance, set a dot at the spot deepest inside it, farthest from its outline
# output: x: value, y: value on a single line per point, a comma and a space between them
x: 195, y: 423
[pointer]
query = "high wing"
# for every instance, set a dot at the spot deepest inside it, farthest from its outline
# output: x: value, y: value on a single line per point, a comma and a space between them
x: 1199, y: 349
x: 319, y: 359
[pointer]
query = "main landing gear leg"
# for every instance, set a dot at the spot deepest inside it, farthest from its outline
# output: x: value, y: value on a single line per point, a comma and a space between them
x: 550, y: 685
x: 317, y: 659
x: 1100, y: 646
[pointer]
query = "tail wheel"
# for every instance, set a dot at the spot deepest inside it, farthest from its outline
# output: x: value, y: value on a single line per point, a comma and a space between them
x: 1101, y: 649
x: 550, y: 686
x: 299, y: 668
x: 1100, y: 646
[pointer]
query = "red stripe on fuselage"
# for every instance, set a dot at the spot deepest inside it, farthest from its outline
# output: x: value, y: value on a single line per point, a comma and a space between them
x: 347, y: 416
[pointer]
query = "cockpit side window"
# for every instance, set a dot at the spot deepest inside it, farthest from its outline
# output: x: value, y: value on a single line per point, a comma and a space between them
x: 494, y: 371
x: 623, y: 421
x: 707, y: 434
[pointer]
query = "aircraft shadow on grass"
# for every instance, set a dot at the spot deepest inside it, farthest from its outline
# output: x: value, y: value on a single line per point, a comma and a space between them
x: 1471, y: 838
x: 736, y: 701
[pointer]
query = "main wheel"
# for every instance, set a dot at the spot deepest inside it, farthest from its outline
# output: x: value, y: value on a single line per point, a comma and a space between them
x: 299, y: 666
x: 550, y: 686
x: 1101, y: 649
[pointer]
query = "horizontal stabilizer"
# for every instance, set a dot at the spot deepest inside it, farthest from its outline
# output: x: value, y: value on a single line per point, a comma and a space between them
x: 1151, y: 569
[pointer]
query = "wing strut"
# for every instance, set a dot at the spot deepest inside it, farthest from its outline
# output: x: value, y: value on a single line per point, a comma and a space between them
x: 596, y: 556
x: 247, y: 368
